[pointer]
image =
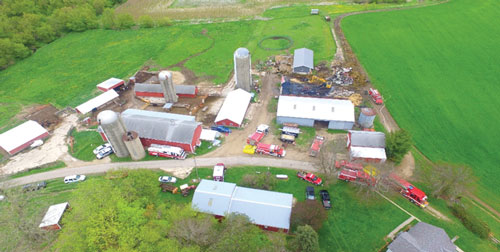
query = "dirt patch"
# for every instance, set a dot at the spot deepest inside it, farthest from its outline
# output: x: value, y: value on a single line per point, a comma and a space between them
x: 406, y: 167
x: 45, y: 115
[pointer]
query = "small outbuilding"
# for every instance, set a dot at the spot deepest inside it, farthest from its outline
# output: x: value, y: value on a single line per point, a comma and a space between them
x: 109, y: 84
x: 303, y: 61
x: 422, y: 237
x: 314, y: 11
x: 163, y: 128
x: 97, y: 102
x: 267, y: 209
x: 234, y: 108
x: 209, y: 135
x: 53, y: 216
x: 21, y: 137
x: 366, y: 145
x: 306, y: 111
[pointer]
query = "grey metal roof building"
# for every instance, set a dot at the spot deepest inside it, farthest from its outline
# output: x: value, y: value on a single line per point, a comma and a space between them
x: 163, y: 128
x: 423, y: 237
x: 159, y: 114
x: 267, y: 209
x: 367, y: 139
x: 156, y: 88
x: 303, y: 61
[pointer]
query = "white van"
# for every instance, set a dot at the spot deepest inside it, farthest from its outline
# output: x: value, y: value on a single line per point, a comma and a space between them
x: 74, y: 178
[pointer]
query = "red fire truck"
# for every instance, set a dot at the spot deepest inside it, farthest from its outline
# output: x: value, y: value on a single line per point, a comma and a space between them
x: 270, y: 149
x: 409, y: 191
x: 167, y: 151
x: 376, y: 96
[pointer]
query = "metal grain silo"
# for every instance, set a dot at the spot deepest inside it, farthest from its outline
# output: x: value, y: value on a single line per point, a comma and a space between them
x: 242, y: 66
x: 134, y: 145
x: 114, y: 129
x: 167, y: 86
x: 366, y: 117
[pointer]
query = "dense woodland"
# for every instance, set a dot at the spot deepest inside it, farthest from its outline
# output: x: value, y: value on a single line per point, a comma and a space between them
x: 26, y: 25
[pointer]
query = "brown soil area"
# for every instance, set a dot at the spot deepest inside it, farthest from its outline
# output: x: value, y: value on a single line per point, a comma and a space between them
x: 45, y: 115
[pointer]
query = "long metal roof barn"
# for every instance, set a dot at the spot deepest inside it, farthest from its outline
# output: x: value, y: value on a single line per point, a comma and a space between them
x: 235, y: 106
x: 265, y: 208
x: 110, y: 84
x: 156, y: 88
x: 316, y: 108
x: 303, y: 57
x: 158, y: 128
x: 97, y: 101
x: 20, y: 137
x: 53, y: 215
x: 159, y: 114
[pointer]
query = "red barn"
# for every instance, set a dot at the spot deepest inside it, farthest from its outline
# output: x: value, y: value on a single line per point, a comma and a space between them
x: 21, y: 137
x: 234, y: 108
x: 110, y: 84
x: 51, y: 219
x: 368, y: 146
x: 163, y: 128
x: 155, y: 90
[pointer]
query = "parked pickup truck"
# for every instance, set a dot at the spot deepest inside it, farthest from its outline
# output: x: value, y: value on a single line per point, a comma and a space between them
x: 310, y: 177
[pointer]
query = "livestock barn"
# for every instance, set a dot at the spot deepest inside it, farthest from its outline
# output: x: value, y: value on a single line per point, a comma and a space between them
x: 163, y: 128
x: 53, y: 216
x: 303, y: 61
x: 234, y: 108
x: 109, y: 84
x: 155, y: 90
x: 21, y: 137
x: 307, y: 111
x: 267, y: 209
x: 366, y: 145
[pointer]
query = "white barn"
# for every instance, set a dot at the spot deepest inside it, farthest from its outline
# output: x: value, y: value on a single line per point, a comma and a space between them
x: 234, y: 108
x: 305, y: 111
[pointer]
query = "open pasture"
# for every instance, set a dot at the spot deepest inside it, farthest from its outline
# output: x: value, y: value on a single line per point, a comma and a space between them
x: 437, y: 68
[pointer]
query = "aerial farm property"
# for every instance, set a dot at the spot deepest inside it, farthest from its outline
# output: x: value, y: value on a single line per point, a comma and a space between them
x: 242, y: 126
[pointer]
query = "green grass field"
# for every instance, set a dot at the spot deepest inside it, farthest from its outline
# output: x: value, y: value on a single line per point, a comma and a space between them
x: 66, y: 71
x: 438, y: 70
x: 84, y: 144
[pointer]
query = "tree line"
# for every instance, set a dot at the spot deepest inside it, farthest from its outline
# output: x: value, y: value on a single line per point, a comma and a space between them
x: 26, y: 25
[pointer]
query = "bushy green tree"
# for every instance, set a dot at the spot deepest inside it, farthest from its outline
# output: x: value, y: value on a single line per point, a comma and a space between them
x: 397, y: 144
x: 11, y: 51
x: 146, y: 21
x: 124, y: 21
x: 108, y: 19
x: 306, y: 239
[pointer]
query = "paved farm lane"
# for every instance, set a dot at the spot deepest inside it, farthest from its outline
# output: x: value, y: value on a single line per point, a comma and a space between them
x: 163, y: 164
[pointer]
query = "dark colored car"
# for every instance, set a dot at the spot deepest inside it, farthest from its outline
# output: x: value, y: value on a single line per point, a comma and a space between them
x: 34, y: 187
x: 325, y: 199
x: 310, y: 193
x: 221, y: 129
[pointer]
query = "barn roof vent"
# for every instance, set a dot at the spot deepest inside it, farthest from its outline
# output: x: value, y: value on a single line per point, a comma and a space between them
x: 333, y: 109
x: 314, y: 107
x: 294, y: 106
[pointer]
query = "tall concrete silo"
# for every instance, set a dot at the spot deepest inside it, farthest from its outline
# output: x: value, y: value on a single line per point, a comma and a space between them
x: 114, y: 129
x: 366, y: 117
x: 242, y: 65
x: 134, y: 145
x: 167, y: 85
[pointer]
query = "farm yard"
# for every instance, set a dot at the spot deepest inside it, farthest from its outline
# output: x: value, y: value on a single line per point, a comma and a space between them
x: 427, y: 62
x: 437, y: 67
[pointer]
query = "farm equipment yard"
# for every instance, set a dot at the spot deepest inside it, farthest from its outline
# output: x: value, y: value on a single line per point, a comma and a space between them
x: 288, y: 130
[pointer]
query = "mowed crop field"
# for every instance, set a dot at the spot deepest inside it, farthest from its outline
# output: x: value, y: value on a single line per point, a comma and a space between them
x: 66, y: 71
x: 438, y: 69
